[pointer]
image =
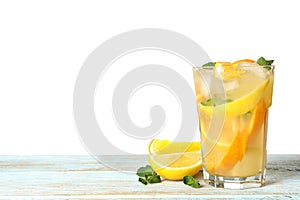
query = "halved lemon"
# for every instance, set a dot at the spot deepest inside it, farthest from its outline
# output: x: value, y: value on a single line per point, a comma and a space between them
x: 158, y: 146
x: 177, y: 165
x: 174, y: 160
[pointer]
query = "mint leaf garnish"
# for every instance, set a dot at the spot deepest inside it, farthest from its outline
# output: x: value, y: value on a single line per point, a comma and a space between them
x: 191, y: 181
x: 148, y: 175
x: 215, y: 101
x: 209, y: 65
x: 265, y: 63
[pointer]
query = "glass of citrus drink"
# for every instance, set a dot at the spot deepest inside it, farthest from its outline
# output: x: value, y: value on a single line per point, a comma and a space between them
x: 233, y: 101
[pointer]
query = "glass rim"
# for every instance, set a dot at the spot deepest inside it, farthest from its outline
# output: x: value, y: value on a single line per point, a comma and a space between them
x: 212, y: 67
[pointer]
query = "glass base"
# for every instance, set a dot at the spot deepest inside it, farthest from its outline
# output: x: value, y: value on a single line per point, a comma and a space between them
x: 235, y: 182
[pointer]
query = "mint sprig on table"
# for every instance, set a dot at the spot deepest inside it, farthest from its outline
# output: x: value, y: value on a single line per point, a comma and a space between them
x: 148, y: 175
x: 265, y: 63
x: 191, y: 181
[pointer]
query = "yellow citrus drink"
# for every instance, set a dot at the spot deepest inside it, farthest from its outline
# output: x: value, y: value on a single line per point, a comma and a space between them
x: 233, y: 101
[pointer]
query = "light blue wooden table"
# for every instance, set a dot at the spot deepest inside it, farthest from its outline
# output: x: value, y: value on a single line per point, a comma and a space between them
x: 83, y: 177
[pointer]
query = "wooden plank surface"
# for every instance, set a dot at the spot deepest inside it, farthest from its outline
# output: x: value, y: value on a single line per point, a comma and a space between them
x: 76, y: 177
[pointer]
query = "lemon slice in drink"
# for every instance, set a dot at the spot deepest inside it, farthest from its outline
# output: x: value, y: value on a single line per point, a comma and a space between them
x: 251, y: 89
x: 174, y: 160
x: 239, y: 106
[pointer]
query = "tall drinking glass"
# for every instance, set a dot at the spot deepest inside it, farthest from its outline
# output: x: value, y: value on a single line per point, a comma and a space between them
x: 233, y: 102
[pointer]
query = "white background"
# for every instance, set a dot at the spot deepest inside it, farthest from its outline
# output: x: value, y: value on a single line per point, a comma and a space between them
x: 44, y: 43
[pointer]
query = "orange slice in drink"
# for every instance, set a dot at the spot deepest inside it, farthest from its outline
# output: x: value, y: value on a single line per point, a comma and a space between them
x: 241, y: 62
x: 234, y: 153
x: 258, y: 119
x: 225, y: 150
x: 228, y: 151
x: 226, y: 71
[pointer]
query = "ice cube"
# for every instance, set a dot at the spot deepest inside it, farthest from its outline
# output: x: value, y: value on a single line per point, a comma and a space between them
x: 231, y: 85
